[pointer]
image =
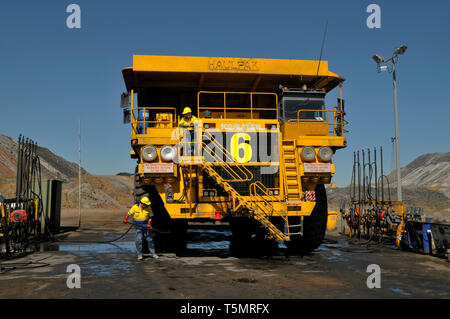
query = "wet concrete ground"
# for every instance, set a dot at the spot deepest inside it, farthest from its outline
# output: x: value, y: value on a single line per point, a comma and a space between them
x: 338, y: 269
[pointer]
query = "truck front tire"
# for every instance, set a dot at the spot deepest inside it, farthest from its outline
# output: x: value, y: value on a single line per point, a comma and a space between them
x: 314, y: 226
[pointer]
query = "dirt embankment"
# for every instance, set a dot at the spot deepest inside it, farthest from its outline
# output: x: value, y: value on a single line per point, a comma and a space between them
x: 99, y: 191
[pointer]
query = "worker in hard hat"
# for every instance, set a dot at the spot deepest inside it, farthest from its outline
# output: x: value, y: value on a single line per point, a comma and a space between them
x: 188, y: 119
x: 142, y: 221
x: 187, y: 122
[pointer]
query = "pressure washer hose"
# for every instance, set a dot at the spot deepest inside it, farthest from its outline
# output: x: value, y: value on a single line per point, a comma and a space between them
x: 106, y: 241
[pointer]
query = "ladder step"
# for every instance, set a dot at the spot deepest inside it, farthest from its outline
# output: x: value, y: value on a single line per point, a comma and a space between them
x: 295, y: 225
x: 291, y: 174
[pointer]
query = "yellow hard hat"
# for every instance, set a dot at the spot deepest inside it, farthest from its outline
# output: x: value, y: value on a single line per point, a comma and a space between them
x: 186, y: 110
x: 145, y: 201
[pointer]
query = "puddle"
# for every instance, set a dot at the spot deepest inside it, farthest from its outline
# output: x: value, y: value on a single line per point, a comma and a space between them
x: 208, y: 240
x: 116, y: 266
x: 208, y: 246
x: 203, y: 235
x: 332, y: 252
x: 400, y: 291
x: 105, y: 259
x: 209, y: 231
x: 98, y: 259
x: 93, y: 248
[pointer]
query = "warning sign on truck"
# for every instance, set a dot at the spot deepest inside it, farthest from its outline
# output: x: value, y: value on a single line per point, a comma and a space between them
x: 158, y: 167
x: 317, y: 167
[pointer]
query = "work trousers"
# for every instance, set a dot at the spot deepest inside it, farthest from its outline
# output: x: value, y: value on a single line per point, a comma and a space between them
x: 141, y: 233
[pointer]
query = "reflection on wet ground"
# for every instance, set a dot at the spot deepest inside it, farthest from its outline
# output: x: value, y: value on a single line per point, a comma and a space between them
x: 105, y: 259
x: 338, y: 268
x: 205, y: 239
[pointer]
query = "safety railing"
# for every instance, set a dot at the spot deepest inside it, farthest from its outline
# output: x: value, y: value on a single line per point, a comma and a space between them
x: 260, y: 195
x: 261, y: 206
x: 163, y: 117
x: 219, y: 156
x: 252, y: 109
x: 220, y: 150
x: 333, y: 118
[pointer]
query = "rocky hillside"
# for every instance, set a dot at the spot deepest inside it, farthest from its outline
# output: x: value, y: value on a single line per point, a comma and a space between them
x: 429, y: 170
x: 425, y: 183
x: 52, y: 166
x: 106, y: 191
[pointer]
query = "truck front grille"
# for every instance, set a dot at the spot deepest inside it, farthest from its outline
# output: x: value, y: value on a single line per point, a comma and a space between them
x: 243, y: 188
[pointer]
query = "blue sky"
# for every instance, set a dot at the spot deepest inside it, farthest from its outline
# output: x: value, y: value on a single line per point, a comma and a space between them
x: 51, y: 75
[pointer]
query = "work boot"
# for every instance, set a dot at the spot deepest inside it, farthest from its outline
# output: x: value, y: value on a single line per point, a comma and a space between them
x: 155, y: 256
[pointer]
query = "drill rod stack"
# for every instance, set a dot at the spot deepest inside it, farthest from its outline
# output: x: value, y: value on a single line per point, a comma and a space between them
x: 372, y: 215
x: 20, y: 216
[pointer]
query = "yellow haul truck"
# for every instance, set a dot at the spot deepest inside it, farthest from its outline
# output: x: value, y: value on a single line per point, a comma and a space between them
x: 257, y: 156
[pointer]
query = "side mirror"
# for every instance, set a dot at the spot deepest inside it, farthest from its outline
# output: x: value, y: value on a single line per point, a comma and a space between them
x: 125, y: 99
x: 126, y: 116
x: 339, y: 104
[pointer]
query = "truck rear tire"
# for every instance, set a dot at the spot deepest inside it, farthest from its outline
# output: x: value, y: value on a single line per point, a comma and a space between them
x: 314, y: 226
x: 249, y: 238
x: 241, y: 229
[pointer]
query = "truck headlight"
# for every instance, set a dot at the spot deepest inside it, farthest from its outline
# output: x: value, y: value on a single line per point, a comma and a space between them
x: 325, y: 153
x: 149, y: 153
x: 308, y: 153
x: 168, y: 153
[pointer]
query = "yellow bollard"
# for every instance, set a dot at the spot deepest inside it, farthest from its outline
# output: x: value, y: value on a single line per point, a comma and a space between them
x: 331, y: 222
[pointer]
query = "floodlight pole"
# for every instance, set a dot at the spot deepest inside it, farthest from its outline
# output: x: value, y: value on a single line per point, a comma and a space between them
x: 380, y: 60
x: 79, y: 173
x: 397, y: 140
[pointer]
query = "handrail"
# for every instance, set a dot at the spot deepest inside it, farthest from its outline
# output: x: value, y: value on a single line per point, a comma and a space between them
x: 229, y: 157
x: 247, y: 175
x: 230, y: 108
x: 135, y: 120
x: 266, y: 194
x: 334, y: 124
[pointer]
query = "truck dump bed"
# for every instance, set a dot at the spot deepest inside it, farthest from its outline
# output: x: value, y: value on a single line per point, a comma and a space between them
x: 227, y: 74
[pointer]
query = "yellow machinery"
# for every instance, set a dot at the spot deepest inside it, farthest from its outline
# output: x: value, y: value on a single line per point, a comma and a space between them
x: 258, y: 155
x: 371, y: 214
x: 20, y: 217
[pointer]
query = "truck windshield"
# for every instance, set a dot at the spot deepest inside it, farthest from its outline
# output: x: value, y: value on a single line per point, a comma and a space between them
x: 311, y: 109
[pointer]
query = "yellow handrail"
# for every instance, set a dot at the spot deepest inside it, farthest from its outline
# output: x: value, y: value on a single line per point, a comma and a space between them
x: 256, y: 197
x: 224, y: 108
x: 135, y: 121
x: 334, y: 124
x: 229, y: 157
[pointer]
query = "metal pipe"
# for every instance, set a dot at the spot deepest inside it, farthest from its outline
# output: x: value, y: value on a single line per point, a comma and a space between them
x: 18, y: 166
x: 364, y: 175
x: 369, y: 181
x: 354, y: 177
x: 382, y: 174
x: 376, y: 175
x: 359, y: 180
